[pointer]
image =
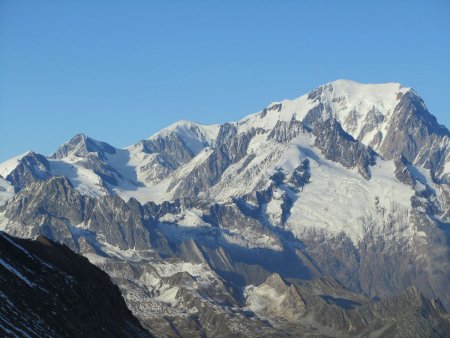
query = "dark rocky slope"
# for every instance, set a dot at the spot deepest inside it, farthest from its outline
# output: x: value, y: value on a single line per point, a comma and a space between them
x: 47, y: 290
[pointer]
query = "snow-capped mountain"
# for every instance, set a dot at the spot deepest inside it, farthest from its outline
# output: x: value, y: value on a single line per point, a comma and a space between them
x: 350, y: 181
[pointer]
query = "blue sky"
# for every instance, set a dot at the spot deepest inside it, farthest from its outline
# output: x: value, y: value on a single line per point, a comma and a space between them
x: 119, y: 71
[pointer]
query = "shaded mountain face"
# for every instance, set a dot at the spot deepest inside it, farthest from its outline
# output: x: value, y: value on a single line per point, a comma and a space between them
x: 336, y: 312
x: 49, y: 291
x: 348, y: 182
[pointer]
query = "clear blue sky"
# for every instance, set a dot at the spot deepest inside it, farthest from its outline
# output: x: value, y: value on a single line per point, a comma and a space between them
x: 119, y: 71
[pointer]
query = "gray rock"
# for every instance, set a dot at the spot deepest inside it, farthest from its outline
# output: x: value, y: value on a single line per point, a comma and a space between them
x: 286, y: 131
x: 415, y: 134
x: 341, y: 147
x: 68, y: 215
x: 32, y: 167
x: 80, y: 146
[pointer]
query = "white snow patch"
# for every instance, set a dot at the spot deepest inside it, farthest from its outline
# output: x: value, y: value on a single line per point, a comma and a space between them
x: 168, y: 296
x: 84, y: 180
x: 187, y: 218
x: 259, y: 299
x: 195, y: 270
x: 156, y: 193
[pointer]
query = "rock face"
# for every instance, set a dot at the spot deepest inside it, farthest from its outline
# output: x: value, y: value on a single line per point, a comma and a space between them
x: 69, y: 216
x: 32, y: 167
x: 324, y: 306
x: 47, y: 290
x: 80, y: 146
x: 282, y: 223
x: 339, y: 146
x: 415, y: 134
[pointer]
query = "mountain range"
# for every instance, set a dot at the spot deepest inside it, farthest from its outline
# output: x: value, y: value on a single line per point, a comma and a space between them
x: 326, y: 215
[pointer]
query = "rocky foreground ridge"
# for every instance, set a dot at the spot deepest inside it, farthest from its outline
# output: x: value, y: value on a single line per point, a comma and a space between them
x: 47, y: 290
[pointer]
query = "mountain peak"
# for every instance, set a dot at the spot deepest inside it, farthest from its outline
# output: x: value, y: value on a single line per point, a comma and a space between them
x: 79, y: 145
x: 8, y: 166
x: 195, y: 135
x: 359, y: 108
x: 183, y: 126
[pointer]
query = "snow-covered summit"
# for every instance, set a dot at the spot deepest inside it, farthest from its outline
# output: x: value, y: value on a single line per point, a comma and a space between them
x: 345, y: 95
x: 195, y: 135
x: 363, y: 110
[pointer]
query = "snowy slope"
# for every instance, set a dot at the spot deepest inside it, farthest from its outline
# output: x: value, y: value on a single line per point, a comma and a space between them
x: 335, y: 200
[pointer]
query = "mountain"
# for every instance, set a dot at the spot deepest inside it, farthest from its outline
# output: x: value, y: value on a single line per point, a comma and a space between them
x: 346, y: 186
x: 48, y: 291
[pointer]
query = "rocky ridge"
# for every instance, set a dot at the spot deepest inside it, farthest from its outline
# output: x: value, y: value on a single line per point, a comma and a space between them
x: 46, y: 290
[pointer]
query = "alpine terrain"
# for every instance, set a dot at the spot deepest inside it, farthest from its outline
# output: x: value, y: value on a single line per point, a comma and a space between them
x: 326, y: 215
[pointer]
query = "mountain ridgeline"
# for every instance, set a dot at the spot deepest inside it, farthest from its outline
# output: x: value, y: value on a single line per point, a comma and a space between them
x: 326, y: 215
